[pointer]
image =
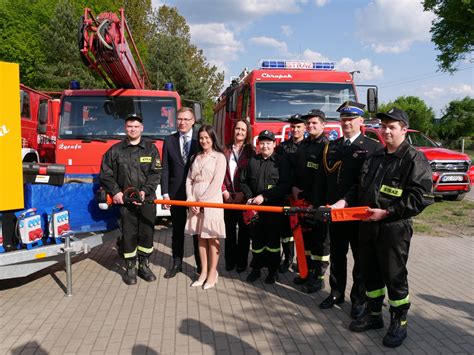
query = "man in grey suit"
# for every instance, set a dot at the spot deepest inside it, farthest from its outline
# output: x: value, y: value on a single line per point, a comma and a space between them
x: 178, y: 148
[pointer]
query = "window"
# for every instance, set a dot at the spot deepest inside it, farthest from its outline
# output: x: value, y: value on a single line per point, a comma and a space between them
x: 277, y: 101
x: 25, y: 105
x: 103, y: 117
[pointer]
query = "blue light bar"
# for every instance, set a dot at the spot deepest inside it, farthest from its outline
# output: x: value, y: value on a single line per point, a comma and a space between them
x: 296, y: 64
x: 273, y: 64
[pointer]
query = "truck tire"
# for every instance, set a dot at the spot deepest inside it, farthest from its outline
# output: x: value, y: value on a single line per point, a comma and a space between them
x: 458, y: 197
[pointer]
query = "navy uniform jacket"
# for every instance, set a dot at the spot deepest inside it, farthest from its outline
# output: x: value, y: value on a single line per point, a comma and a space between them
x: 400, y: 183
x: 308, y: 174
x: 125, y: 165
x: 269, y: 177
x: 342, y: 165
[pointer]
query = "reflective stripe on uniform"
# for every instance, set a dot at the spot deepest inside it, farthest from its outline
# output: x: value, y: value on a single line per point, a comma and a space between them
x: 376, y: 293
x: 258, y: 251
x: 401, y: 302
x: 403, y: 322
x: 145, y: 250
x: 273, y: 250
x: 287, y: 240
x: 375, y: 313
x: 320, y: 258
x: 392, y: 191
x: 130, y: 255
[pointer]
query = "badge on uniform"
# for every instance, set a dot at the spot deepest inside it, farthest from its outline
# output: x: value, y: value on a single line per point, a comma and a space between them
x: 145, y: 159
x: 157, y: 164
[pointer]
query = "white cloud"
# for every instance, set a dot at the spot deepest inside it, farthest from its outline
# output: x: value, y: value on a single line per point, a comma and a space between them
x: 389, y: 26
x: 218, y: 43
x: 309, y: 54
x: 235, y: 12
x: 458, y: 90
x: 280, y: 46
x: 434, y: 92
x: 368, y: 71
x: 286, y: 30
x: 321, y: 3
x: 462, y: 90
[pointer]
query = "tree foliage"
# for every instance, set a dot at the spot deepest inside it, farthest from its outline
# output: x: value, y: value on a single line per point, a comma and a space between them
x: 458, y: 120
x: 42, y: 36
x: 452, y: 31
x: 61, y: 37
x: 421, y: 116
x: 173, y: 58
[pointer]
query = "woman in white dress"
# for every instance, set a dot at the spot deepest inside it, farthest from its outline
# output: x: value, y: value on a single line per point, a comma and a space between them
x: 204, y: 184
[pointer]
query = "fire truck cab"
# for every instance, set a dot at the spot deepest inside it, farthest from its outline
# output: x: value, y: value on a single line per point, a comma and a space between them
x: 268, y: 96
x: 39, y: 113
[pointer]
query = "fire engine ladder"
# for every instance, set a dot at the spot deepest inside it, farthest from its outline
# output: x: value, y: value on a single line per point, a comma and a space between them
x: 104, y: 49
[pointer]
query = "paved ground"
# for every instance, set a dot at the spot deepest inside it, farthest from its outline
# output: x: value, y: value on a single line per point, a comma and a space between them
x: 169, y: 317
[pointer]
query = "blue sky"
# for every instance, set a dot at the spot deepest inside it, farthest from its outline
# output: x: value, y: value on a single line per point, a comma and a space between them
x: 388, y: 41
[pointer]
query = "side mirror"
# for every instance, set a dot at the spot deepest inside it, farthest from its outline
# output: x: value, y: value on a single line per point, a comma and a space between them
x: 372, y: 100
x: 197, y: 108
x: 43, y: 113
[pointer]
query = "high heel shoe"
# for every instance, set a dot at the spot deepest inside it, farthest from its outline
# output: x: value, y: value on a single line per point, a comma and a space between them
x: 208, y: 285
x: 198, y: 283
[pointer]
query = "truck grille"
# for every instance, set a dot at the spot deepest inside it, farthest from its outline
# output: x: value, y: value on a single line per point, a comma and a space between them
x: 450, y: 166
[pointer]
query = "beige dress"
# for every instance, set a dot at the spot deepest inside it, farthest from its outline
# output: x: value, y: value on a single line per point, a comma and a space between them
x: 204, y: 184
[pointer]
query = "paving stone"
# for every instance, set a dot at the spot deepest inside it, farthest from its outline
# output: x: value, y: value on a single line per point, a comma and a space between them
x: 168, y: 317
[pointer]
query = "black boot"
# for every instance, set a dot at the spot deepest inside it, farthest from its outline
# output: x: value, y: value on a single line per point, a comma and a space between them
x: 144, y: 270
x: 272, y: 277
x: 372, y: 319
x: 130, y: 276
x: 254, y: 275
x: 397, y: 331
x: 177, y: 267
x: 314, y: 284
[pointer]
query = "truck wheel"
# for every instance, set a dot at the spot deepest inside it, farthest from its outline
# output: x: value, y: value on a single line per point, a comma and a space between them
x: 458, y: 197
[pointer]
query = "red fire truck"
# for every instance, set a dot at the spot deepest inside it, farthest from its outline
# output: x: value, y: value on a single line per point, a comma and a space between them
x: 39, y: 114
x: 268, y: 96
x: 79, y: 128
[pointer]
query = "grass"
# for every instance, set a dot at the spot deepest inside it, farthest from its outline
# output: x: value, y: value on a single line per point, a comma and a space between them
x: 446, y: 218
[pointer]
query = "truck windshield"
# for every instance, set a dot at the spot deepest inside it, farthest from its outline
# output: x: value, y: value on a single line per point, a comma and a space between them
x: 418, y: 139
x: 89, y: 117
x: 281, y: 100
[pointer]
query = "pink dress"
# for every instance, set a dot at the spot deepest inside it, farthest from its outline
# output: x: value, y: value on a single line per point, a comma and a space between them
x: 204, y: 184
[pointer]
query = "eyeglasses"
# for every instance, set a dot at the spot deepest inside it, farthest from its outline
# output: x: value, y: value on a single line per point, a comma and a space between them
x: 184, y: 119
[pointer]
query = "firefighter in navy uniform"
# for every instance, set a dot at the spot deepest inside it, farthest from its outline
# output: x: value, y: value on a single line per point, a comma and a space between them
x: 289, y: 148
x: 134, y: 163
x: 308, y: 184
x: 396, y: 184
x: 266, y: 181
x: 342, y: 161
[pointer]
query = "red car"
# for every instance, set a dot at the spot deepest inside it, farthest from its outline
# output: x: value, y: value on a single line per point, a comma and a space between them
x: 453, y: 174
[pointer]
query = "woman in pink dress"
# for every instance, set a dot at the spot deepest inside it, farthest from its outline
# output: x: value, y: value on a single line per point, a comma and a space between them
x: 203, y: 184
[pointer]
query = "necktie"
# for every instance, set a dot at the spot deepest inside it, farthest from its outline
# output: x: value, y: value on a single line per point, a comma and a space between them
x: 347, y: 143
x: 185, y: 150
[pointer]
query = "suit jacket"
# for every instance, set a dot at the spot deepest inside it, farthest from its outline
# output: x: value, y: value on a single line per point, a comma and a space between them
x: 174, y: 173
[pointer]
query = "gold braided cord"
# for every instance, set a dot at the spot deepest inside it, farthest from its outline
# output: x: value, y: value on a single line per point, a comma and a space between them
x: 329, y: 169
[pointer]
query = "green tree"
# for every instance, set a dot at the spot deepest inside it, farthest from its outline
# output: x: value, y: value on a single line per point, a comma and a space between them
x: 173, y: 58
x: 421, y: 116
x: 63, y: 62
x: 452, y: 31
x: 20, y: 40
x: 458, y: 120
